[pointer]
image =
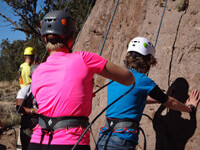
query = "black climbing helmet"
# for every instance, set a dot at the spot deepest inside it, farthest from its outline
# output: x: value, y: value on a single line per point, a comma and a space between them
x: 58, y: 23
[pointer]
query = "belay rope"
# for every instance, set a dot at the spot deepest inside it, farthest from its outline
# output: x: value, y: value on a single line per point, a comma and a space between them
x: 112, y: 81
x: 89, y: 126
x: 100, y: 115
x: 10, y: 127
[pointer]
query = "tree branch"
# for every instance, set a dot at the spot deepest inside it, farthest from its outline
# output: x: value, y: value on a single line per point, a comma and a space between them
x: 27, y: 23
x: 9, y: 20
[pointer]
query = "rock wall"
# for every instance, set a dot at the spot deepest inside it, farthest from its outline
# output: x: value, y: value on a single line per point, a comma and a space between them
x: 177, y: 53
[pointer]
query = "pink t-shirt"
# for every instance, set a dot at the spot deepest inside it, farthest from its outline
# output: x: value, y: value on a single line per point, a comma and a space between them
x: 63, y: 86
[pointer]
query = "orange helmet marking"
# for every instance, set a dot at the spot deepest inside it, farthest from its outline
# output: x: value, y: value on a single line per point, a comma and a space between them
x: 64, y: 22
x: 41, y: 23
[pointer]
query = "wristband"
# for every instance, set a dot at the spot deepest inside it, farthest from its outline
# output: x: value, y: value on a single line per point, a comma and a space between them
x: 192, y: 108
x: 32, y: 109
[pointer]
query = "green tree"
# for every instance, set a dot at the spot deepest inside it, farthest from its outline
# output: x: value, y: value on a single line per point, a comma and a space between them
x: 30, y: 13
x: 79, y: 9
x: 10, y: 59
x: 11, y: 56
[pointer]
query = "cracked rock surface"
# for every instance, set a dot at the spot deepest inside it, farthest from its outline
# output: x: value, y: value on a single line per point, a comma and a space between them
x: 177, y: 53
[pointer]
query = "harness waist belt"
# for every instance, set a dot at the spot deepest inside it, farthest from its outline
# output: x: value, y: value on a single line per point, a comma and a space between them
x: 121, y: 123
x: 56, y: 123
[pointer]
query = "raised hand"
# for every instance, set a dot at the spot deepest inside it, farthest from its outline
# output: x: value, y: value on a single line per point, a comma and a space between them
x: 194, y: 98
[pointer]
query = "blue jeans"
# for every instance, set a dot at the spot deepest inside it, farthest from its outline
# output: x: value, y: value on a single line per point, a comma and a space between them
x: 114, y: 143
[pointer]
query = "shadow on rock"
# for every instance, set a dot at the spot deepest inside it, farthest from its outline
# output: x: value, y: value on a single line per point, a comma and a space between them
x: 173, y: 131
x: 2, y: 147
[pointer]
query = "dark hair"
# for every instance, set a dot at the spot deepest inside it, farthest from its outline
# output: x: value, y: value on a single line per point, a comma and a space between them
x: 29, y: 56
x: 136, y: 61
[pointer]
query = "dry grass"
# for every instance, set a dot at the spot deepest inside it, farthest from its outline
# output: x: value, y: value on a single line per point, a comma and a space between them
x: 8, y: 119
x: 4, y: 84
x: 8, y: 93
x: 8, y: 90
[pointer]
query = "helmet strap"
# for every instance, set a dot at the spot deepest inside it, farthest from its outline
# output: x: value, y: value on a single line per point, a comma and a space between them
x: 69, y: 44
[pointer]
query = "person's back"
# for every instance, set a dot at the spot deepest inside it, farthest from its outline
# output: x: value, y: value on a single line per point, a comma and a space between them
x: 128, y: 109
x: 24, y: 74
x: 123, y: 117
x: 24, y: 70
x: 27, y: 106
x: 63, y: 85
x: 65, y: 90
x: 132, y: 104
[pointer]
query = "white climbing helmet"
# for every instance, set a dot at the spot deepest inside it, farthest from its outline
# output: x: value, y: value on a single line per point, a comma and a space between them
x: 142, y: 46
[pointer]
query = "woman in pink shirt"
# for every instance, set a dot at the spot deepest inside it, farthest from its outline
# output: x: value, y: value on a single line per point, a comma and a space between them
x: 62, y: 86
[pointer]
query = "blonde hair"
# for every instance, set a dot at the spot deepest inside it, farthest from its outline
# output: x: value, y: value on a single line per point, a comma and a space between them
x: 54, y: 42
x: 50, y: 46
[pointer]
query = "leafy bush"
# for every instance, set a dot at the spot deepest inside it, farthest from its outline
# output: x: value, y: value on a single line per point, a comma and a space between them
x: 182, y: 5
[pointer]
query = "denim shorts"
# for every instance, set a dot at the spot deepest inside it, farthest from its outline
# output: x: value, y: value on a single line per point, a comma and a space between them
x: 114, y: 143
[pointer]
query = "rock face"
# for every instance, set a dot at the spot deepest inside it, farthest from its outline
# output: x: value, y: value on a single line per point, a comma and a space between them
x: 177, y: 53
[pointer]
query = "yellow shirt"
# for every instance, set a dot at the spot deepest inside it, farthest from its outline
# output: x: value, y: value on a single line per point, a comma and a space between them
x: 24, y: 78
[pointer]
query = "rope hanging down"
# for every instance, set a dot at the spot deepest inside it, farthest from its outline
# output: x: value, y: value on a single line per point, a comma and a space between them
x: 100, y: 115
x: 104, y: 41
x: 160, y: 23
x: 112, y: 81
x: 159, y: 28
x: 89, y: 126
x: 148, y: 71
x: 108, y: 28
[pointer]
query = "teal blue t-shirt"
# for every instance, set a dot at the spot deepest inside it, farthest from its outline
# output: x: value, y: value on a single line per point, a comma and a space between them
x: 132, y: 105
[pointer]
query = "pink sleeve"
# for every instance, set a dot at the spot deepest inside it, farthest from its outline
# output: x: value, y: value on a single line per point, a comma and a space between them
x: 93, y: 61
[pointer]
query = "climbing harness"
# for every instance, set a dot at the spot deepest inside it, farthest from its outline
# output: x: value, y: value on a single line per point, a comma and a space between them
x: 114, y: 124
x: 89, y: 126
x: 100, y: 115
x: 29, y: 100
x: 109, y: 83
x: 51, y: 124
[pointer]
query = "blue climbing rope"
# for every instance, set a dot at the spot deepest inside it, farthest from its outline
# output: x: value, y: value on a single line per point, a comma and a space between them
x: 160, y: 23
x: 159, y: 29
x: 73, y: 148
x: 108, y: 28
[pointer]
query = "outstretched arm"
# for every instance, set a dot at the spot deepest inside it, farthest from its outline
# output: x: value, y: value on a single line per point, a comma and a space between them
x: 119, y: 74
x: 174, y: 104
